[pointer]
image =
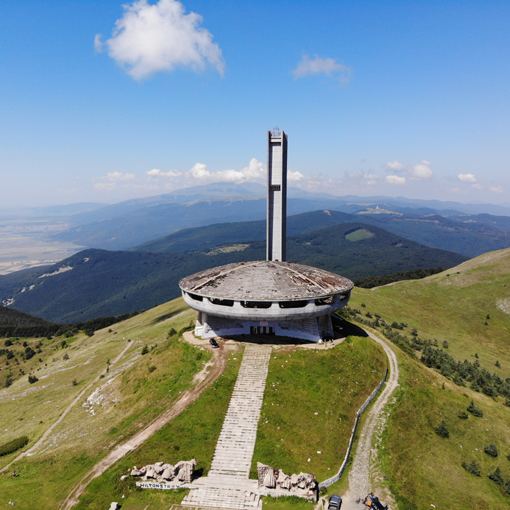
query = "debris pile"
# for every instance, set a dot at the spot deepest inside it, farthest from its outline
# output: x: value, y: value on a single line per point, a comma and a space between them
x: 181, y: 472
x: 271, y: 478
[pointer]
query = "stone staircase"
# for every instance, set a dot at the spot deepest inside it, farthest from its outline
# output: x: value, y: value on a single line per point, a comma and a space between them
x: 227, y: 484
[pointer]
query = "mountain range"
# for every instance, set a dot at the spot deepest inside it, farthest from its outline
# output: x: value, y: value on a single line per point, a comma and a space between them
x: 96, y: 283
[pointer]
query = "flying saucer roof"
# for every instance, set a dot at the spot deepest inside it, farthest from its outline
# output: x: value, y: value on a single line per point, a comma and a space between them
x: 265, y: 281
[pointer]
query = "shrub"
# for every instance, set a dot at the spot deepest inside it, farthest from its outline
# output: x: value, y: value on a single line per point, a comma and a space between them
x: 65, y: 357
x: 152, y: 368
x: 498, y: 364
x: 172, y: 332
x: 32, y: 379
x: 442, y: 430
x: 472, y: 468
x: 496, y: 476
x: 13, y: 445
x: 145, y: 350
x: 7, y: 343
x: 491, y: 450
x: 75, y: 382
x: 475, y: 411
x: 462, y: 415
x: 445, y: 345
x: 506, y: 487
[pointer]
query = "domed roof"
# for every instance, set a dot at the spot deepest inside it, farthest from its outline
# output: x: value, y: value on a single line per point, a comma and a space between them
x: 265, y: 281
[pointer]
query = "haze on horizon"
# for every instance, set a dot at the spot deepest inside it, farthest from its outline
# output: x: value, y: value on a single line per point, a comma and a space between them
x: 104, y: 102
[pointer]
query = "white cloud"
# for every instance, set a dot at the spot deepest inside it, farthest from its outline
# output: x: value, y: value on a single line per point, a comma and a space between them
x: 395, y: 166
x: 98, y: 44
x: 421, y: 171
x: 418, y: 172
x: 294, y: 176
x: 156, y: 172
x: 319, y: 65
x: 476, y: 186
x: 254, y: 170
x: 119, y: 176
x: 498, y: 189
x: 160, y: 37
x: 467, y: 177
x: 395, y: 179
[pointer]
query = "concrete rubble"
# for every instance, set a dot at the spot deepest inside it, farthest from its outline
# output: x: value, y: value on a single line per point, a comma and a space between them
x: 270, y: 478
x: 162, y: 473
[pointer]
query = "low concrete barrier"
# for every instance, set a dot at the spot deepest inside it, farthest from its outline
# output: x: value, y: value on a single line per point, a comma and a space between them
x: 335, y: 478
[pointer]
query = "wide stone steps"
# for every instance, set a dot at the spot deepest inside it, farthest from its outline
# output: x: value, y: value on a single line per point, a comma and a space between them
x: 225, y: 484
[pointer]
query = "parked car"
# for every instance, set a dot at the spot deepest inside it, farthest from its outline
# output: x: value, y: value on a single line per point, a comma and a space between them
x: 335, y: 502
x: 214, y: 343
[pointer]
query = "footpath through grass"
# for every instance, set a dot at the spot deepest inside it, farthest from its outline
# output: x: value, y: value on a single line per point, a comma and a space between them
x: 192, y: 434
x: 310, y: 404
x: 424, y: 468
x: 464, y: 309
x: 130, y: 395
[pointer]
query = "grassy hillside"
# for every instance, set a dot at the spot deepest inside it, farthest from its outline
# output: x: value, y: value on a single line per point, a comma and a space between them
x: 130, y: 394
x: 466, y: 310
x: 114, y: 283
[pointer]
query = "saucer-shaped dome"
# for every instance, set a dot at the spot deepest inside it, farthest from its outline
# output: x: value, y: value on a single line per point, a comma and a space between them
x: 265, y: 281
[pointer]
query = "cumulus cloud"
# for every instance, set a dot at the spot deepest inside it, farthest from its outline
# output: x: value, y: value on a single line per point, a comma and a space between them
x: 477, y: 186
x: 254, y: 170
x: 396, y: 180
x: 156, y: 172
x: 367, y: 178
x: 160, y: 37
x: 294, y: 176
x: 420, y: 171
x: 467, y: 177
x: 319, y: 65
x: 395, y: 166
x: 119, y: 176
x: 497, y: 189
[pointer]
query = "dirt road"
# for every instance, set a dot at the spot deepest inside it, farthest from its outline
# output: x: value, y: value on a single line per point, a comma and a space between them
x: 359, y: 476
x: 211, y: 371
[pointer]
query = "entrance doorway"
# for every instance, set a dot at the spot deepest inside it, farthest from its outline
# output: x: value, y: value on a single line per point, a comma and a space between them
x: 262, y: 330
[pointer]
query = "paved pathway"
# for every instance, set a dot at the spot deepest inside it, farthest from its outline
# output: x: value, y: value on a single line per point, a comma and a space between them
x: 227, y: 484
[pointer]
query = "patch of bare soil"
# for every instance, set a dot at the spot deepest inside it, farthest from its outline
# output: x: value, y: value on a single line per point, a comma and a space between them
x: 210, y: 373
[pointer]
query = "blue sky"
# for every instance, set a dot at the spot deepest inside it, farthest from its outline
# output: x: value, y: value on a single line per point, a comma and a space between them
x: 104, y: 102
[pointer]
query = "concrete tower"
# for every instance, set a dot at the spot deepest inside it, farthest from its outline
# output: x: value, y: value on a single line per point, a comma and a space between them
x: 276, y: 195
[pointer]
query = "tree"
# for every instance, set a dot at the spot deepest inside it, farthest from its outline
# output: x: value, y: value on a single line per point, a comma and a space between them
x: 32, y: 379
x: 496, y: 476
x: 472, y: 468
x: 475, y: 411
x: 145, y: 350
x: 491, y: 450
x: 442, y: 430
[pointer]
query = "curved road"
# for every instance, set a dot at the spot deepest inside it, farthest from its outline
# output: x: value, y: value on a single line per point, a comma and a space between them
x: 359, y: 476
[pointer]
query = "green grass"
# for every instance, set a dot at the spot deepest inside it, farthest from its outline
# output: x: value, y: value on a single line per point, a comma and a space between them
x: 192, y: 434
x: 310, y: 404
x: 359, y: 234
x: 131, y: 395
x: 423, y: 468
x: 453, y: 306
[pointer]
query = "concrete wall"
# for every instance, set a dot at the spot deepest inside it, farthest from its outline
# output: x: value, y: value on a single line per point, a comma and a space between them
x: 276, y: 196
x: 273, y: 313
